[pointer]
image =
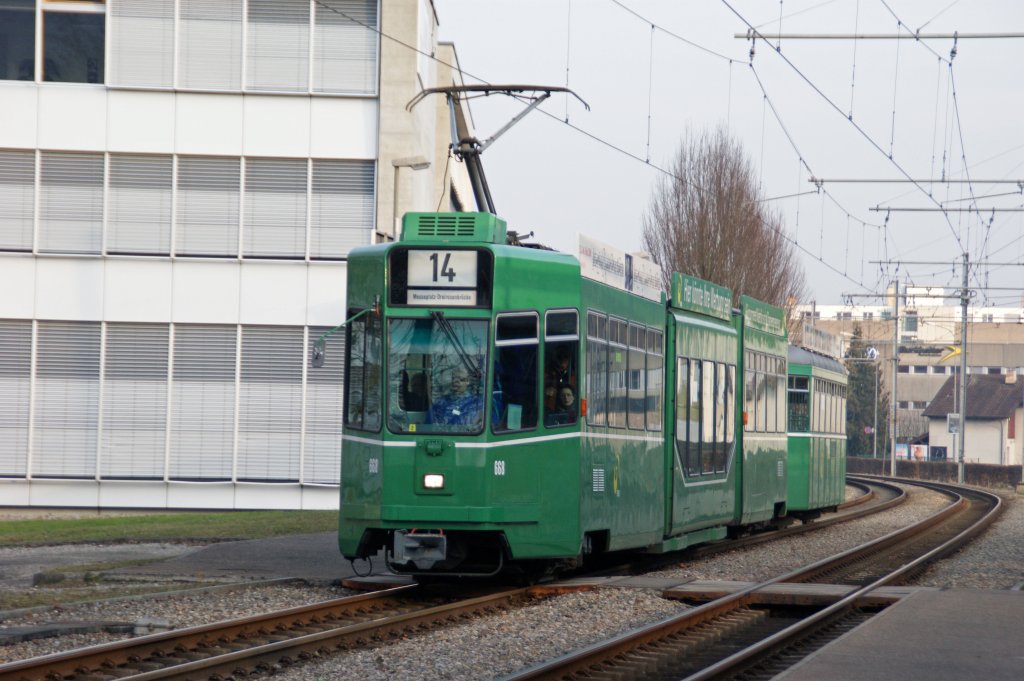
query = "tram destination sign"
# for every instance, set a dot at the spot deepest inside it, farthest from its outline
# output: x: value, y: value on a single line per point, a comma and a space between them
x: 442, y: 278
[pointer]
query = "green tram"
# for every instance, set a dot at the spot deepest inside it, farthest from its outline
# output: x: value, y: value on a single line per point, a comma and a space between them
x: 817, y: 433
x: 504, y: 412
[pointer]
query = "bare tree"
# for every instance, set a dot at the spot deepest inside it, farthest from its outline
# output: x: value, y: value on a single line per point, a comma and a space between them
x: 708, y: 220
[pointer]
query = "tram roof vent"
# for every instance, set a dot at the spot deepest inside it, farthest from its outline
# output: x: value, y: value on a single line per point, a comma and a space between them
x: 454, y: 227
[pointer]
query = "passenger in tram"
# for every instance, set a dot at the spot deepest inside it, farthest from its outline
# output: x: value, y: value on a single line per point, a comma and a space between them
x: 558, y: 375
x: 565, y: 411
x: 458, y: 406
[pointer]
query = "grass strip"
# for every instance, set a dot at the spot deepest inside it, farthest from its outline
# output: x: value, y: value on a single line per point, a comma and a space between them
x: 166, y: 527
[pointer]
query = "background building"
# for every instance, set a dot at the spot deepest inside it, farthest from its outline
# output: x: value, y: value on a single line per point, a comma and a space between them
x: 180, y: 184
x: 928, y: 327
x: 994, y: 418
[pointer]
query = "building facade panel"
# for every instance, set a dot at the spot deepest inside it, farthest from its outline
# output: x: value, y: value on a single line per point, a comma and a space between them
x: 180, y: 186
x: 69, y: 288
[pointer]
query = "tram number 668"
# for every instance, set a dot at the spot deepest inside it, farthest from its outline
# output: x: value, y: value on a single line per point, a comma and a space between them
x: 499, y: 467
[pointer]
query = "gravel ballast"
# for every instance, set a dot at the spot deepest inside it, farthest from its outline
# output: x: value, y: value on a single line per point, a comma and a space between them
x: 499, y: 644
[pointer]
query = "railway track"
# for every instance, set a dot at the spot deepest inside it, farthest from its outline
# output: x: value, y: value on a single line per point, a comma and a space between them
x: 237, y: 648
x: 739, y: 636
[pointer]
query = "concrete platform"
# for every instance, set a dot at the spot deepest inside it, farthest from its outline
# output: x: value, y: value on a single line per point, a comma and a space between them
x: 928, y: 636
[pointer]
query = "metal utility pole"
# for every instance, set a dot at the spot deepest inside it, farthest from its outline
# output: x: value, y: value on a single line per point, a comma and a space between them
x: 874, y: 430
x: 895, y: 369
x: 964, y: 295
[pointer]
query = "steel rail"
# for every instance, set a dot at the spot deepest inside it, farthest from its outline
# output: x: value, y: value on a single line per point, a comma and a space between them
x: 180, y: 649
x: 586, y: 660
x: 782, y: 638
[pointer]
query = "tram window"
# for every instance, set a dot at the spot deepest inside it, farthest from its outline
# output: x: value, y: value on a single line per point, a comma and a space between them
x: 514, y: 393
x: 694, y: 420
x: 771, y: 404
x: 636, y: 389
x: 561, y: 350
x: 436, y: 375
x: 617, y: 373
x: 362, y: 382
x: 819, y: 406
x: 799, y: 416
x: 561, y: 362
x: 655, y: 364
x: 707, y: 426
x: 730, y: 407
x: 748, y: 399
x: 682, y: 412
x: 780, y: 396
x: 597, y: 369
x: 561, y: 325
x: 759, y: 402
x: 720, y: 417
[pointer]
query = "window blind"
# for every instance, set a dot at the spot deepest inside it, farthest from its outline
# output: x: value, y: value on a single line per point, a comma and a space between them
x: 15, y: 386
x: 134, y: 401
x: 66, y: 399
x: 345, y: 46
x: 203, y: 402
x: 210, y: 44
x: 342, y: 207
x: 270, y: 403
x: 141, y: 42
x: 139, y: 213
x: 70, y: 202
x: 275, y: 208
x: 208, y: 200
x: 278, y: 45
x: 17, y: 199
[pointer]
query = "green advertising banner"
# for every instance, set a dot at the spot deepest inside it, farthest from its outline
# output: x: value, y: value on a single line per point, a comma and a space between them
x: 697, y: 295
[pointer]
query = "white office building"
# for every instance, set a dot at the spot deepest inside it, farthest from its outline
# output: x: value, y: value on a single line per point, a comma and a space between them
x: 180, y: 184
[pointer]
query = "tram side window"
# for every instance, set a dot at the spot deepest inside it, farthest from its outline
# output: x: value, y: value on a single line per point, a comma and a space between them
x: 362, y: 384
x: 842, y: 414
x: 694, y: 420
x: 799, y: 417
x: 771, y: 407
x: 778, y: 397
x: 682, y: 411
x: 561, y: 358
x: 707, y: 398
x: 749, y: 394
x: 819, y: 398
x: 636, y: 390
x: 514, y: 393
x: 730, y: 408
x: 655, y: 364
x: 617, y: 370
x: 720, y: 417
x: 597, y: 369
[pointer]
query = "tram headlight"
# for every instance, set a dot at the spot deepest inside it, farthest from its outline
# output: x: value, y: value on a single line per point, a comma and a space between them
x: 433, y: 481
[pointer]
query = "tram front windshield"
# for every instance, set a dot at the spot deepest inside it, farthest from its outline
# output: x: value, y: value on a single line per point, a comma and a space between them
x: 436, y: 375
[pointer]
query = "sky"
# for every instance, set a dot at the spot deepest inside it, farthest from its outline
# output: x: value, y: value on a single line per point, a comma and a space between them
x: 655, y: 71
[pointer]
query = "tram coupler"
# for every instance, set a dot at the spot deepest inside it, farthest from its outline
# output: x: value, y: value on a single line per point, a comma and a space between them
x: 423, y: 549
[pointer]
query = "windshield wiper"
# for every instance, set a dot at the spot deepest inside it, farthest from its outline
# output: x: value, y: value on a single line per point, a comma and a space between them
x: 446, y: 327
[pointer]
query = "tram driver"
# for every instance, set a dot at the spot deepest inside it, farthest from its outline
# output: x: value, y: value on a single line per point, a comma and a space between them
x: 458, y: 406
